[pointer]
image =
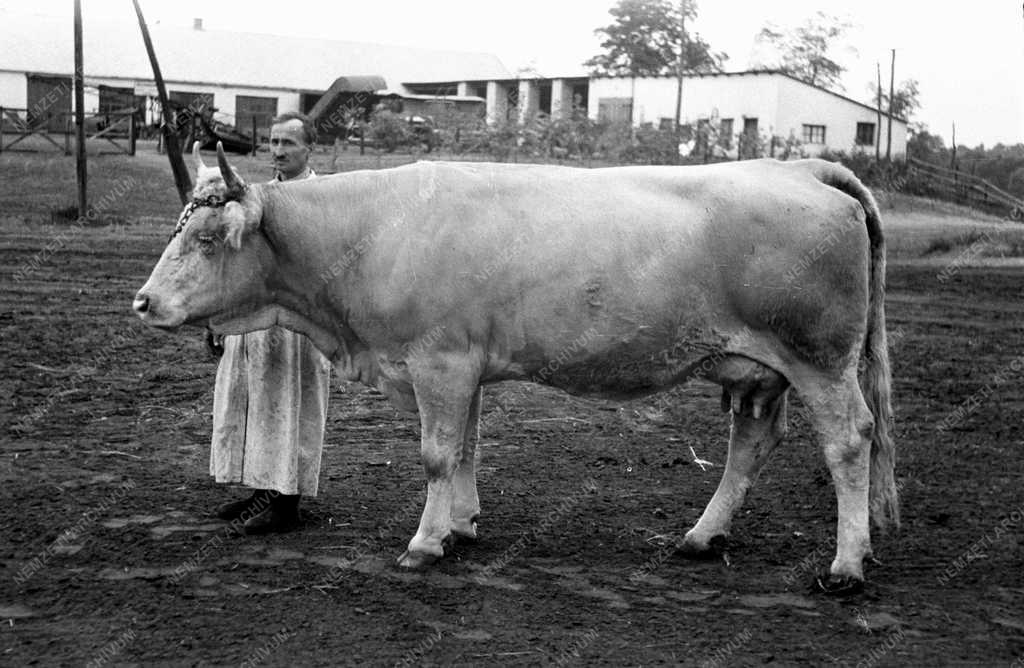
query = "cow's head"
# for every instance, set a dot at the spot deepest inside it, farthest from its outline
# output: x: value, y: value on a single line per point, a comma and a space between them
x: 215, y: 269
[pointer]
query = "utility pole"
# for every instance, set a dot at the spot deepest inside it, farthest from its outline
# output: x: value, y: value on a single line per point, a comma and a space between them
x: 181, y: 177
x: 952, y: 159
x: 80, y: 166
x: 680, y: 64
x: 878, y: 108
x: 892, y: 92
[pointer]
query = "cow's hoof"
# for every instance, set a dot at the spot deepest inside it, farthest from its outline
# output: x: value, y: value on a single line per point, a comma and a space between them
x: 839, y: 585
x: 691, y: 548
x: 416, y: 560
x: 465, y: 530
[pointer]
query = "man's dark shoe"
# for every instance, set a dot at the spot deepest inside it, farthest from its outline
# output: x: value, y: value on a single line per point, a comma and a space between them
x: 281, y: 517
x: 255, y: 504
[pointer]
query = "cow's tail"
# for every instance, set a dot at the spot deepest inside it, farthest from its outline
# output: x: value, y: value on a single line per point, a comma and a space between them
x: 876, y: 377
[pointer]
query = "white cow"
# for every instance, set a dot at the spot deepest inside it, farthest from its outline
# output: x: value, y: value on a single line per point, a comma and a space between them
x: 433, y: 279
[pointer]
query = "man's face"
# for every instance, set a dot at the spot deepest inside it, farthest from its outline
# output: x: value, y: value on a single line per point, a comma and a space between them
x: 289, y: 151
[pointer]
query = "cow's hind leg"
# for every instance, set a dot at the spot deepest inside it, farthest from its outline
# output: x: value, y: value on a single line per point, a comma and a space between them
x: 466, y: 505
x: 843, y: 423
x: 445, y: 386
x: 751, y: 389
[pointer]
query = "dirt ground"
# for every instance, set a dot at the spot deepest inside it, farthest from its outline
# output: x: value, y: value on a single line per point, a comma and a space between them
x: 108, y: 555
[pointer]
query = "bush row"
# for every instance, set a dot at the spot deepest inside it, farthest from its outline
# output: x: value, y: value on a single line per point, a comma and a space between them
x: 578, y: 139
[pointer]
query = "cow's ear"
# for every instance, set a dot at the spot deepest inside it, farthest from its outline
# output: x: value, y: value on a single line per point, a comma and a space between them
x: 236, y: 224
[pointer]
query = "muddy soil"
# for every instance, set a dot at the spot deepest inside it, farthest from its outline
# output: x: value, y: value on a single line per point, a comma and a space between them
x: 108, y: 554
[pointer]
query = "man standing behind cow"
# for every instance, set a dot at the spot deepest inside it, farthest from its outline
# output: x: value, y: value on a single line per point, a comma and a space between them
x: 270, y: 400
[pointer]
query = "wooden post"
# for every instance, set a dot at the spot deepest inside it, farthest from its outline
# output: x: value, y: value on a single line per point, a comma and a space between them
x: 679, y: 68
x: 632, y: 105
x: 131, y: 135
x: 181, y: 177
x: 952, y: 159
x: 878, y: 108
x: 892, y: 91
x: 254, y: 136
x: 80, y: 167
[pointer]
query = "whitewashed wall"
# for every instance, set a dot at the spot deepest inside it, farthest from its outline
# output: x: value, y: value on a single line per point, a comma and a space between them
x: 800, y: 104
x: 736, y: 97
x: 223, y: 96
x: 13, y: 90
x: 781, y: 105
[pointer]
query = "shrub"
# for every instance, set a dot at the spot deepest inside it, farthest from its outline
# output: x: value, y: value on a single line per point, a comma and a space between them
x: 388, y: 130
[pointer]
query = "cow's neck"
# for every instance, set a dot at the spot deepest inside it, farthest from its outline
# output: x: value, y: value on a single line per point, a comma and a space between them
x: 306, y: 235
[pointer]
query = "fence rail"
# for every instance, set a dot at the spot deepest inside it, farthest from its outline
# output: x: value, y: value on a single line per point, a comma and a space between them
x: 109, y: 126
x: 965, y: 188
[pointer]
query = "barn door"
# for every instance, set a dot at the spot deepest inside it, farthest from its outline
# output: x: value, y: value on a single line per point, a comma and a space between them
x: 253, y: 110
x: 49, y: 101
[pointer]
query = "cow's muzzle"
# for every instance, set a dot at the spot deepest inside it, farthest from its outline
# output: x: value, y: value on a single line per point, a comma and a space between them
x: 141, y: 304
x: 164, y: 317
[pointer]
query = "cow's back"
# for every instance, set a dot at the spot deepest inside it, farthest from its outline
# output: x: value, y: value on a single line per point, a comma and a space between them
x: 602, y: 273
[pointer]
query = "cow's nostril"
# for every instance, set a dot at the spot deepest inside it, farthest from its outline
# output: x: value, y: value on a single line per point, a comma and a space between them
x: 141, y: 303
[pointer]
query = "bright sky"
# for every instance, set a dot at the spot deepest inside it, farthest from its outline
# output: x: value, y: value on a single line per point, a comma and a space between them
x: 968, y: 57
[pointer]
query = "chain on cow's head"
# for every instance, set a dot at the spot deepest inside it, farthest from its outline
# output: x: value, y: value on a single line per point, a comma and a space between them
x: 211, y: 201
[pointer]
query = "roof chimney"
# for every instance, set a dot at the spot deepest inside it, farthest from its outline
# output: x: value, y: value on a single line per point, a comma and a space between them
x: 197, y: 24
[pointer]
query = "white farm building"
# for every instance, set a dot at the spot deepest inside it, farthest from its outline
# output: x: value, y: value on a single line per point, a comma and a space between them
x: 243, y: 75
x: 764, y: 102
x: 249, y: 78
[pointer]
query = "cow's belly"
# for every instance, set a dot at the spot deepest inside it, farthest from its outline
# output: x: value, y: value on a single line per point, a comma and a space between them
x: 622, y: 352
x: 629, y: 369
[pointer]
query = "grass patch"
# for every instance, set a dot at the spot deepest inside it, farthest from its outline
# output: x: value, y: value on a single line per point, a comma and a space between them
x: 938, y: 246
x: 997, y: 243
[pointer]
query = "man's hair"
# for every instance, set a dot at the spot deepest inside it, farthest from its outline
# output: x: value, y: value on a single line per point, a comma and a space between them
x: 308, y: 129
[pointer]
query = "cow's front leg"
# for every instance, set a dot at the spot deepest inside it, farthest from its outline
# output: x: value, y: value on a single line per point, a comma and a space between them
x: 445, y: 386
x: 466, y: 505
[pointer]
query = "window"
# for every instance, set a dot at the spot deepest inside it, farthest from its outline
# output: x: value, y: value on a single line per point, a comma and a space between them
x: 252, y: 110
x: 814, y: 134
x: 750, y: 126
x: 725, y: 133
x: 865, y: 134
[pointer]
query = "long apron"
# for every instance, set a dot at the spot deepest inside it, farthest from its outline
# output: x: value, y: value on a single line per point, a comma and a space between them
x: 269, y: 408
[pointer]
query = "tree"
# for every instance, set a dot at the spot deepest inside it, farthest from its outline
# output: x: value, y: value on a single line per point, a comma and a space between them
x: 924, y: 145
x: 646, y: 39
x: 904, y: 100
x: 804, y: 52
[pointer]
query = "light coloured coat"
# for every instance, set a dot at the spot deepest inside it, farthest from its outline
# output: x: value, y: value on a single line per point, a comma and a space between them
x: 430, y: 280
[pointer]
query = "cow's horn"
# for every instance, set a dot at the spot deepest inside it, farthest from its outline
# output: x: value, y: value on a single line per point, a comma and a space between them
x: 230, y: 180
x: 196, y: 157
